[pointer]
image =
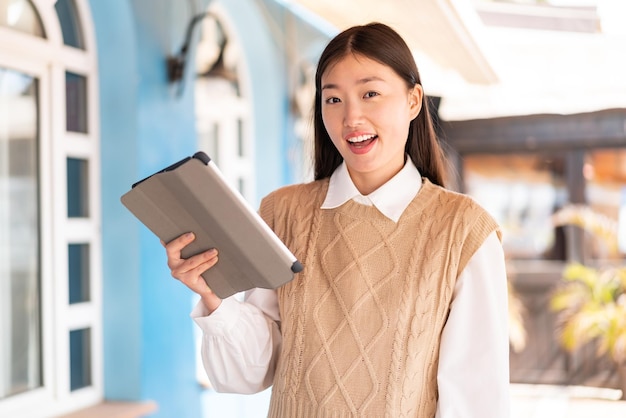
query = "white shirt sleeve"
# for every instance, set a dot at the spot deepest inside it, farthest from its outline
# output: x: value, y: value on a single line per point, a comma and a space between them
x: 473, y: 374
x: 240, y: 341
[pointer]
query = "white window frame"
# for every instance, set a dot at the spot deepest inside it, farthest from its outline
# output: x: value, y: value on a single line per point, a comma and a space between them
x: 48, y: 60
x: 225, y: 112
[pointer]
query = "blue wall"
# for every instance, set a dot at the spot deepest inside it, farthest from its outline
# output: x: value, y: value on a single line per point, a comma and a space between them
x: 148, y: 336
x: 118, y: 72
x: 149, y: 347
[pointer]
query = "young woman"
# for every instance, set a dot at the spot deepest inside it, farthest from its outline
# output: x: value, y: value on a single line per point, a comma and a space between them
x: 401, y: 309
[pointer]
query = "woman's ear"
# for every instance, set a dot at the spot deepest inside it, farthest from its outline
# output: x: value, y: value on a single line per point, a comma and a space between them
x: 416, y: 96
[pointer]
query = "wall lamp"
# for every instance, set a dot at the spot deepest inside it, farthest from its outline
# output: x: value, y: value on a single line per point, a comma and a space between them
x: 176, y: 63
x: 216, y: 69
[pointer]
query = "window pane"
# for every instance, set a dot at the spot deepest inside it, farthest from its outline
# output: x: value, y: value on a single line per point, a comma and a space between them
x: 70, y: 23
x: 76, y: 102
x: 521, y: 192
x: 77, y: 188
x: 78, y: 262
x: 605, y: 174
x: 209, y: 141
x: 241, y: 186
x: 21, y: 16
x: 20, y: 334
x: 240, y: 139
x: 80, y: 358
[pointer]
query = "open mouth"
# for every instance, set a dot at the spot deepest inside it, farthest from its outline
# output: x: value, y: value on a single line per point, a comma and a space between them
x: 362, y: 141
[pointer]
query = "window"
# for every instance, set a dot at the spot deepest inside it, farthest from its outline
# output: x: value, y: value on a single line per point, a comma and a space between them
x: 20, y: 258
x: 521, y: 191
x: 50, y: 325
x: 75, y: 103
x: 222, y: 108
x: 223, y: 114
x: 604, y: 172
x: 574, y: 161
x: 78, y: 273
x: 77, y: 188
x: 70, y: 23
x: 22, y: 16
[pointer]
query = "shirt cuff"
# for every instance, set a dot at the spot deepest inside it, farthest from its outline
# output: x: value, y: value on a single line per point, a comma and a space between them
x: 221, y: 320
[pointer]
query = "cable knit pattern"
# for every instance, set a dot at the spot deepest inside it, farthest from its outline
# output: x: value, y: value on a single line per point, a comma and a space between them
x: 362, y: 323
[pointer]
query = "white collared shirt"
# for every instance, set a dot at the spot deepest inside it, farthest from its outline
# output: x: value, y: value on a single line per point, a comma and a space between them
x: 391, y: 199
x: 241, y: 340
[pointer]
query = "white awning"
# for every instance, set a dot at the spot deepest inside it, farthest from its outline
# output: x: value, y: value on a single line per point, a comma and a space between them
x: 446, y: 31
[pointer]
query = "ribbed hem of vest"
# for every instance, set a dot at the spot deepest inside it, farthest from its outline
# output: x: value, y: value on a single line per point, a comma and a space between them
x: 283, y: 408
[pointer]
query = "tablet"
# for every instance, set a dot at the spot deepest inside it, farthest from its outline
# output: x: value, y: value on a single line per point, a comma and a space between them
x: 193, y: 196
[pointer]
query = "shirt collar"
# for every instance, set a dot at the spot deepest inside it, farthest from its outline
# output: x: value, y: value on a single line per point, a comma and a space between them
x: 391, y: 199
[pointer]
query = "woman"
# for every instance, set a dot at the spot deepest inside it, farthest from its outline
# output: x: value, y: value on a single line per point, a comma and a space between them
x: 401, y: 308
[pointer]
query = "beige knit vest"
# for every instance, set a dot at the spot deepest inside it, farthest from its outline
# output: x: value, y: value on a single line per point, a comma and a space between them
x: 362, y: 323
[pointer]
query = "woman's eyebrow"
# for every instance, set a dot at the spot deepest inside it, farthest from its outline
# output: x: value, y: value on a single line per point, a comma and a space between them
x: 363, y: 80
x: 369, y: 79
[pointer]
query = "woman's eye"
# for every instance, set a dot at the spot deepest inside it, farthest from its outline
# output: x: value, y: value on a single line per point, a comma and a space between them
x: 332, y: 100
x: 370, y: 94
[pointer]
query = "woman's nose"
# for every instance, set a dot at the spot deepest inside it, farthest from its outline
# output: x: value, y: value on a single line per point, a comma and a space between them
x: 353, y: 114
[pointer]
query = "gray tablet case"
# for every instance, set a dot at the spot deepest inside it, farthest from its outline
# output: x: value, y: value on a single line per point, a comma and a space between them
x: 192, y: 195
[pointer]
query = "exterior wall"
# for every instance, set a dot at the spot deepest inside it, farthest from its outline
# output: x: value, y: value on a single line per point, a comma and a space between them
x: 117, y: 65
x: 149, y: 346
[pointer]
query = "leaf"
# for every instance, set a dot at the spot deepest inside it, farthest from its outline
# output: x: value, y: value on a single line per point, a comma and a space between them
x: 598, y: 224
x: 591, y: 302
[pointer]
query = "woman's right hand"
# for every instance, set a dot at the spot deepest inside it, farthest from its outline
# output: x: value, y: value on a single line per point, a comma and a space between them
x: 189, y: 271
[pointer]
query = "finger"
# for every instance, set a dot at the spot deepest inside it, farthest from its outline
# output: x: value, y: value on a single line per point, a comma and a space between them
x: 174, y: 247
x: 194, y: 263
x: 191, y: 277
x: 200, y: 269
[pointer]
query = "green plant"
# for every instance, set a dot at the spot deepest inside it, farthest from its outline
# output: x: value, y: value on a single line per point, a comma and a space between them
x: 591, y: 302
x: 592, y: 306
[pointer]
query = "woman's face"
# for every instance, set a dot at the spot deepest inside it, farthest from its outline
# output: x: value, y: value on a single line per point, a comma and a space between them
x: 367, y: 109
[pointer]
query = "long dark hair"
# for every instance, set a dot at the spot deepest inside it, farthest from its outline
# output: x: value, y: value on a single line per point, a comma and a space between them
x: 378, y: 42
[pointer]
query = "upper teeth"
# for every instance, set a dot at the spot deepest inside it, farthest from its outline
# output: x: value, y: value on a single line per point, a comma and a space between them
x: 361, y: 138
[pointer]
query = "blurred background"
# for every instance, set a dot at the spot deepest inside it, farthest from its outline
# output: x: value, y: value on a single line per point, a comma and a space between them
x: 529, y: 100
